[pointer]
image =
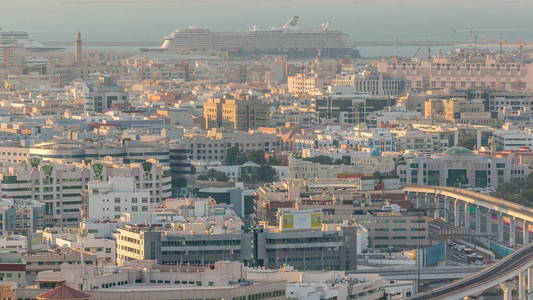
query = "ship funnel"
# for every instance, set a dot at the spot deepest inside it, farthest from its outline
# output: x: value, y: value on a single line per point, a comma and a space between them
x: 326, y: 26
x: 293, y: 22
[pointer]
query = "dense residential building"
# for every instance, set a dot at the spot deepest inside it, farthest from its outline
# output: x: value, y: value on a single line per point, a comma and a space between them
x: 266, y: 164
x: 20, y: 216
x: 59, y: 187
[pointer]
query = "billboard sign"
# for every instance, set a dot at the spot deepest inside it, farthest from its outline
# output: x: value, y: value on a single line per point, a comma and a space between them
x: 434, y: 254
x: 300, y: 219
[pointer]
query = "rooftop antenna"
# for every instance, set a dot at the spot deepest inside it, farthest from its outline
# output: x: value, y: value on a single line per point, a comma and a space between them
x: 396, y: 47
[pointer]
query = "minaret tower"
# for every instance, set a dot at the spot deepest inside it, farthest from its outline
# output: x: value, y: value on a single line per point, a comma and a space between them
x: 78, y: 48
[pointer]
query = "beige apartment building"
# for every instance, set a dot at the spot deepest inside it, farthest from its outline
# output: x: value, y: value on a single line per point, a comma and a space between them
x: 235, y: 113
x: 215, y: 143
x: 303, y: 83
x: 468, y: 112
x: 398, y: 229
x: 458, y: 73
x: 461, y: 111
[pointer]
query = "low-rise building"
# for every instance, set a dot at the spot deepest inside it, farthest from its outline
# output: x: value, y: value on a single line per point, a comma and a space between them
x: 303, y: 241
x: 13, y: 268
x: 194, y: 242
x: 307, y: 168
x: 150, y: 281
x: 53, y: 259
x: 460, y: 167
x: 316, y: 285
x: 395, y: 229
x: 513, y: 139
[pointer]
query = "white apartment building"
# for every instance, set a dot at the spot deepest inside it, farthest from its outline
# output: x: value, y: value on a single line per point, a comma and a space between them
x: 60, y: 186
x: 420, y: 141
x: 104, y: 249
x: 509, y: 139
x: 107, y: 200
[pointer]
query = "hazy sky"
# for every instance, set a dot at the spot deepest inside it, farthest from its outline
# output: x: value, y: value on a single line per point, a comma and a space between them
x: 364, y: 20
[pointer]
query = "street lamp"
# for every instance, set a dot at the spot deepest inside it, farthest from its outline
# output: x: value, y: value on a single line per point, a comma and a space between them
x: 418, y: 264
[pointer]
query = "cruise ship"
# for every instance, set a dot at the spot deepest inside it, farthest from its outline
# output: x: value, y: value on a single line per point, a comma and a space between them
x: 288, y: 40
x: 21, y: 39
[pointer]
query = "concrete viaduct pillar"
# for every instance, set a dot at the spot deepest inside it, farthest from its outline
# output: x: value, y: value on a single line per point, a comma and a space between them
x: 478, y: 219
x: 456, y: 214
x: 512, y: 232
x: 507, y: 288
x: 525, y: 232
x: 522, y: 285
x: 436, y: 205
x: 417, y: 200
x: 500, y: 228
x: 467, y: 217
x: 530, y: 283
x: 489, y: 223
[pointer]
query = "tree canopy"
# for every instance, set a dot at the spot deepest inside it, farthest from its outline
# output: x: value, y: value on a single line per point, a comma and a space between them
x: 213, y: 175
x: 518, y: 191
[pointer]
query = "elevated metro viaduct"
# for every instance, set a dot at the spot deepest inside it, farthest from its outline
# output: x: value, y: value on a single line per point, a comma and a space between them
x: 506, y: 222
